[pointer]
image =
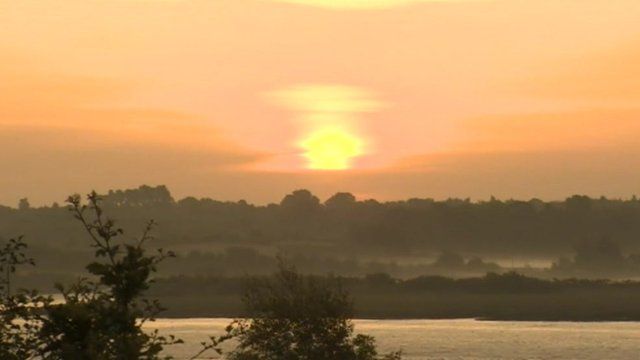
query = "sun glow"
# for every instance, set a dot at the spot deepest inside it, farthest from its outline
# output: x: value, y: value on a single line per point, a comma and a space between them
x: 329, y: 121
x: 331, y: 149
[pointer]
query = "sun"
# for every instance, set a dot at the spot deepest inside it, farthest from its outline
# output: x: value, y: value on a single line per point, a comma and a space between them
x: 329, y: 126
x: 331, y: 148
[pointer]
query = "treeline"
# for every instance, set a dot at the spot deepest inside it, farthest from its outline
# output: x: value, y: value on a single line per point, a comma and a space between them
x: 491, y: 283
x: 509, y: 296
x: 343, y: 228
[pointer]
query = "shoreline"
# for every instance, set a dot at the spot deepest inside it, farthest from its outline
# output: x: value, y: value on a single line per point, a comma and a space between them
x: 478, y: 319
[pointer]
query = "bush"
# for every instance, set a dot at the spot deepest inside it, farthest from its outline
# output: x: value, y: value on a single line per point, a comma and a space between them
x: 295, y: 317
x: 101, y: 317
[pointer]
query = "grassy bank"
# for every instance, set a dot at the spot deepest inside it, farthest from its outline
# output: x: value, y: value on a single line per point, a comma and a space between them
x: 496, y: 297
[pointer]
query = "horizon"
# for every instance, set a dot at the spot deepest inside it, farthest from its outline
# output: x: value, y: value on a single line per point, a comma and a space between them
x: 325, y: 197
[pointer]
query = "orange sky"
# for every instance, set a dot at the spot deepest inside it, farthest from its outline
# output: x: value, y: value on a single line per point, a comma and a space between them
x: 232, y: 99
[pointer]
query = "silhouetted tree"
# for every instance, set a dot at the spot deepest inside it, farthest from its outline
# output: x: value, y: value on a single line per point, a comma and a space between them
x: 295, y: 317
x: 12, y: 255
x: 98, y: 320
x: 140, y: 197
x: 20, y: 319
x: 341, y: 201
x: 103, y: 319
x: 300, y: 202
x: 24, y: 204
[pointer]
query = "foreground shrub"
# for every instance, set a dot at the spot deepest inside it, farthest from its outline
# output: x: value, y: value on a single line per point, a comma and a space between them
x: 100, y: 317
x: 293, y: 317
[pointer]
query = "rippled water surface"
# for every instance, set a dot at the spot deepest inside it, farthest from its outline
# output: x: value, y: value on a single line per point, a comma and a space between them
x: 462, y: 339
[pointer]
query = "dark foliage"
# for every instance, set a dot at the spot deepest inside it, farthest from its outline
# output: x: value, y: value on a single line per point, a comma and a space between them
x: 293, y: 317
x: 509, y: 296
x: 100, y: 317
x: 342, y: 225
x: 20, y: 322
x: 350, y: 237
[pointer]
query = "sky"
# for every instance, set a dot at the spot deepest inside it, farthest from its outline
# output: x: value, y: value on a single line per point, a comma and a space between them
x: 387, y: 99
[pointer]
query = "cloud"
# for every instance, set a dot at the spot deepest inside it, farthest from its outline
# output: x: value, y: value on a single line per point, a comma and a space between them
x: 364, y: 4
x: 60, y: 132
x: 327, y: 98
x: 34, y: 100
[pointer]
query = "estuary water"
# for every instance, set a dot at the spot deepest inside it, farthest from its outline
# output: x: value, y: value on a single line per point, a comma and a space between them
x: 461, y: 339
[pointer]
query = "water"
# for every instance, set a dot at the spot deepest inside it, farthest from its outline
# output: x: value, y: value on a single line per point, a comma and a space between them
x: 462, y: 339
